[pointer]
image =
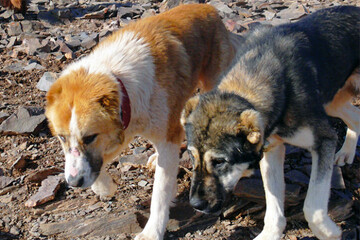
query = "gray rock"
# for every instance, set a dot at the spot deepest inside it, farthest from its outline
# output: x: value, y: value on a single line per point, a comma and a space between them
x: 3, y: 116
x: 5, y: 181
x: 148, y: 13
x: 26, y: 120
x: 46, y: 81
x: 17, y: 17
x: 73, y: 43
x: 32, y: 66
x: 27, y: 26
x: 110, y: 225
x: 136, y: 159
x: 142, y: 183
x: 12, y: 42
x: 223, y: 9
x: 14, y: 29
x: 14, y: 230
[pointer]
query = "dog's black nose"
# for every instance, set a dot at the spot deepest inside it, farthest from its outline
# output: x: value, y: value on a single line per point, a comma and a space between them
x: 76, y: 181
x: 198, y: 204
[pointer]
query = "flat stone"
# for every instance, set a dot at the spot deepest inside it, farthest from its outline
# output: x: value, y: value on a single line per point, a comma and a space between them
x: 142, y: 183
x: 341, y: 209
x: 31, y: 45
x: 32, y: 66
x: 46, y: 192
x: 109, y: 225
x: 26, y: 120
x: 136, y: 159
x: 19, y: 163
x: 223, y: 9
x: 96, y: 15
x: 46, y: 81
x: 5, y: 181
x: 12, y: 42
x: 27, y: 26
x: 269, y: 15
x: 14, y: 29
x: 91, y: 41
x: 63, y: 47
x: 74, y: 43
x: 3, y: 116
x: 148, y: 13
x: 39, y: 175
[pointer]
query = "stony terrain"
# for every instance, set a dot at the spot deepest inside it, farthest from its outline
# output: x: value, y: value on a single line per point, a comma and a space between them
x: 35, y: 202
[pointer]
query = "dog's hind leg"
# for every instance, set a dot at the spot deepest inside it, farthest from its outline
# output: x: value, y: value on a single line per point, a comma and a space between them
x: 164, y: 184
x: 351, y: 116
x: 272, y: 171
x: 316, y: 202
x: 341, y: 107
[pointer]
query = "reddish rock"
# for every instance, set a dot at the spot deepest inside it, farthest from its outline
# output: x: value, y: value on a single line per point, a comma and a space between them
x: 46, y: 192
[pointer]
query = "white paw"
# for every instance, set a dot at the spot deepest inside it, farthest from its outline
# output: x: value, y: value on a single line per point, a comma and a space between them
x: 342, y: 157
x: 269, y: 235
x: 145, y: 236
x: 104, y: 186
x: 152, y: 161
x: 323, y: 227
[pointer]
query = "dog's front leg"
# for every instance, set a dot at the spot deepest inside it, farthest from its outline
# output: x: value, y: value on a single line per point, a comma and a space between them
x: 272, y: 171
x: 165, y: 180
x: 316, y: 202
x: 104, y: 185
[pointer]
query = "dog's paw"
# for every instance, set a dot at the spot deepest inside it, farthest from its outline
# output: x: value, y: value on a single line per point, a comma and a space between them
x: 322, y: 225
x: 104, y: 186
x: 341, y: 158
x: 152, y: 161
x: 326, y: 230
x: 266, y: 235
x: 144, y: 236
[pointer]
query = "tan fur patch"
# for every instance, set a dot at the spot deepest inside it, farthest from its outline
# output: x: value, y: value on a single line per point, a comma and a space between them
x: 94, y: 98
x: 188, y: 43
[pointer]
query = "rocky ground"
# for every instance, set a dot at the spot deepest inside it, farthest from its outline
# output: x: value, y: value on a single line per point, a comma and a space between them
x: 35, y: 202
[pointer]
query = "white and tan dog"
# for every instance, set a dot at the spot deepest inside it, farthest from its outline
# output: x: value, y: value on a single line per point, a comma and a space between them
x: 136, y: 82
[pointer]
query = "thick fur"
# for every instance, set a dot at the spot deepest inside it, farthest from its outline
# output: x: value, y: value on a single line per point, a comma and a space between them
x: 161, y: 60
x: 286, y: 82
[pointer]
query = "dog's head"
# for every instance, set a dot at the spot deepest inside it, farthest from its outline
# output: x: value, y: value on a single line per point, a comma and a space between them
x: 225, y: 138
x: 83, y: 112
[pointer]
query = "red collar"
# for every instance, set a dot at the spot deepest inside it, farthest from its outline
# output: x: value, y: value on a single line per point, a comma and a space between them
x: 125, y: 113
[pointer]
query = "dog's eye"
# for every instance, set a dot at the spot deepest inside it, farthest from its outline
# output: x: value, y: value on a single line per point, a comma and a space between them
x: 217, y: 162
x: 89, y: 139
x: 62, y: 138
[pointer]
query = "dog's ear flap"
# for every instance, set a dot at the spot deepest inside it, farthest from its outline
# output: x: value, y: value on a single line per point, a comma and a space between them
x: 251, y: 124
x: 110, y: 102
x: 189, y: 108
x: 53, y: 93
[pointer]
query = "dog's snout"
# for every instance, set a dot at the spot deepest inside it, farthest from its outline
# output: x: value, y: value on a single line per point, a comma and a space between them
x: 76, y: 181
x: 198, y: 203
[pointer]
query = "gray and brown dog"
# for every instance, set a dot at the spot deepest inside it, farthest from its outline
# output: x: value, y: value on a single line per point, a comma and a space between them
x: 286, y: 82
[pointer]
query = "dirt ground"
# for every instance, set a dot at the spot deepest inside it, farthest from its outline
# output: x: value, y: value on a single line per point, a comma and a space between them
x: 43, y: 151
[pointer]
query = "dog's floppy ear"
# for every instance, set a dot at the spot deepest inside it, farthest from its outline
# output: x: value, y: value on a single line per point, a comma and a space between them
x: 189, y: 108
x: 251, y: 124
x: 53, y: 93
x: 109, y: 101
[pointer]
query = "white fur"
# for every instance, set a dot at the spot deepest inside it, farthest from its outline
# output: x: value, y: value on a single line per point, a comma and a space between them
x: 165, y: 180
x: 230, y: 179
x: 272, y: 171
x: 303, y: 138
x: 70, y: 160
x: 129, y: 59
x: 316, y: 204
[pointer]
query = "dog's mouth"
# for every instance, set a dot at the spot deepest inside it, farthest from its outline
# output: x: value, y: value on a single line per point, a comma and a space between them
x: 82, y: 172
